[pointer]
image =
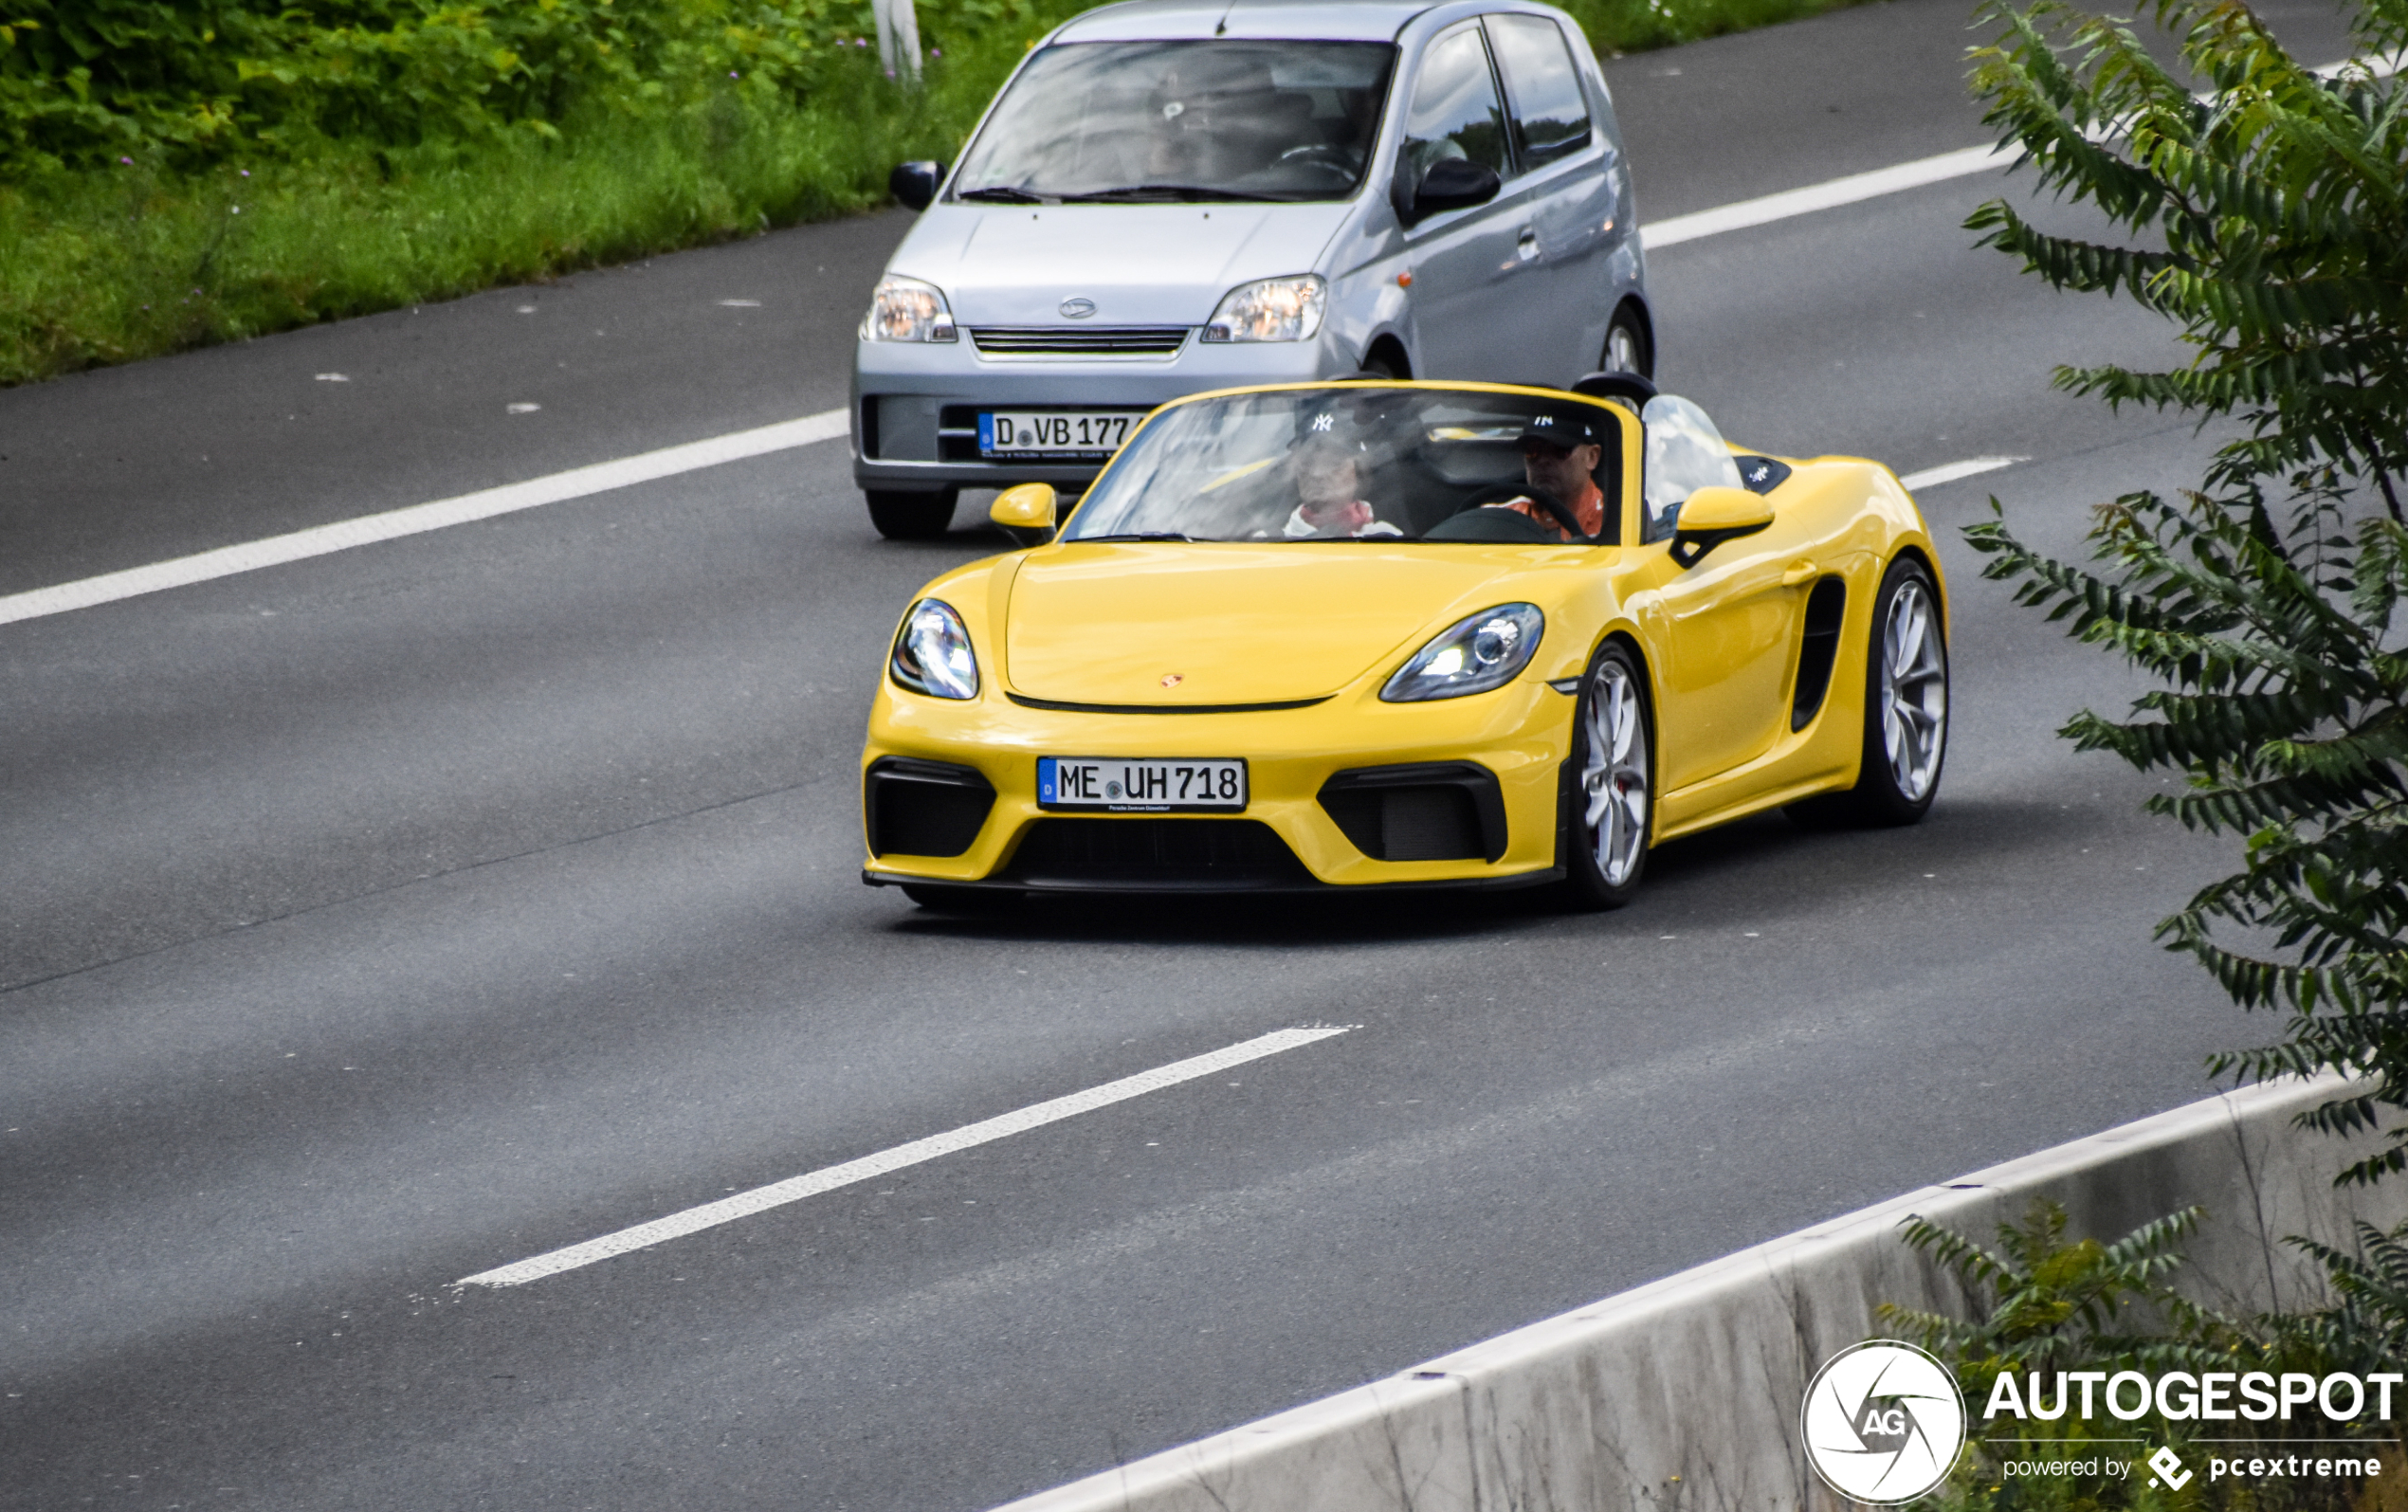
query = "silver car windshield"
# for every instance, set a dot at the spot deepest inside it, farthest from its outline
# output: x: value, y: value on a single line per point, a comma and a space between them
x: 1180, y: 122
x: 1365, y: 466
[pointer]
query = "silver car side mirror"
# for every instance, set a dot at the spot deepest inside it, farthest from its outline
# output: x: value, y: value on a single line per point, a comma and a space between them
x: 1449, y: 184
x: 914, y: 184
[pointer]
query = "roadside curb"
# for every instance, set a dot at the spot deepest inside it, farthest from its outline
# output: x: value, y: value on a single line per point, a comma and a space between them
x: 1686, y: 1391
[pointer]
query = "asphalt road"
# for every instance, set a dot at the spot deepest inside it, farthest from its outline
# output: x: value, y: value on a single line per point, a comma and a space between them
x: 377, y: 919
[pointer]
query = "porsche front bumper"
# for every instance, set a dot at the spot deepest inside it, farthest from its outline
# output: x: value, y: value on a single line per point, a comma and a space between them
x: 1339, y: 794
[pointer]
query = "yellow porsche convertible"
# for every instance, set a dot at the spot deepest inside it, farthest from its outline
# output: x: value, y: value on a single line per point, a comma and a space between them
x: 1394, y: 635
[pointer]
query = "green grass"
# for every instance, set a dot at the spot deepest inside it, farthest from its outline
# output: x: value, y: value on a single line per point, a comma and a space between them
x: 131, y: 262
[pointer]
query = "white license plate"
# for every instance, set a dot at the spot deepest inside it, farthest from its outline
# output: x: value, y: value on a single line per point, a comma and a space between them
x: 1120, y: 785
x: 1053, y: 432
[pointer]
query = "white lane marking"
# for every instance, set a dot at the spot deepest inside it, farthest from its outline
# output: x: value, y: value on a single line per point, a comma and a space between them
x: 830, y: 423
x: 1654, y: 236
x: 1971, y: 466
x: 577, y: 482
x: 761, y: 1199
x: 1832, y: 193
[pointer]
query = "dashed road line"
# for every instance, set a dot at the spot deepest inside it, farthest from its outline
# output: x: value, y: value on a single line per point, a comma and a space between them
x: 1970, y: 468
x: 1830, y: 195
x: 319, y: 540
x: 1854, y: 188
x: 827, y: 1179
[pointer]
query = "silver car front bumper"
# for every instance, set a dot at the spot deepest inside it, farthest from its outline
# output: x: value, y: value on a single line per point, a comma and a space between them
x: 915, y: 406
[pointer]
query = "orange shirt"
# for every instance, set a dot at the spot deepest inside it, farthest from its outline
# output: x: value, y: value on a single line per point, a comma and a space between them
x: 1588, y: 508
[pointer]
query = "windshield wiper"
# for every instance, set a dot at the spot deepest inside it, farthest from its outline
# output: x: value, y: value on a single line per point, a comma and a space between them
x: 1173, y: 193
x: 1001, y: 194
x: 1141, y: 534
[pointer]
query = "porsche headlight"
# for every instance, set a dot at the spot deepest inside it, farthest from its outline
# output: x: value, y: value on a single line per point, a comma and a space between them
x: 905, y: 309
x: 1472, y: 656
x: 932, y: 655
x: 1271, y: 310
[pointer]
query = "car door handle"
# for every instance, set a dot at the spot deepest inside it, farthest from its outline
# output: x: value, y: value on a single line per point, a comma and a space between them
x: 1797, y: 572
x: 1528, y: 245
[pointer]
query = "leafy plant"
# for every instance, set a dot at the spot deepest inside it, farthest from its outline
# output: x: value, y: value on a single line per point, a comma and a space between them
x: 2046, y: 1304
x: 2270, y: 221
x: 84, y: 83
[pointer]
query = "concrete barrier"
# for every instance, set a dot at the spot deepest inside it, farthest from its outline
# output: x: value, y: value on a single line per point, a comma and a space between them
x: 1685, y: 1392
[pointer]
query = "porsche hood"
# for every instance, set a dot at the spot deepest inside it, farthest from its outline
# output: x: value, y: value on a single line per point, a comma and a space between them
x: 1177, y: 624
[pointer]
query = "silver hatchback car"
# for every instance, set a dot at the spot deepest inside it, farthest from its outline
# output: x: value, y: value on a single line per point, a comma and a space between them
x: 1169, y: 197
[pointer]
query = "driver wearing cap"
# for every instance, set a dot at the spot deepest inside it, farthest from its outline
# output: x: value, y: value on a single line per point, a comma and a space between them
x: 1559, y: 454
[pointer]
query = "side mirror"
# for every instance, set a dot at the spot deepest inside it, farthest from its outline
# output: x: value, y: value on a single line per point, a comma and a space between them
x: 1026, y: 513
x: 1449, y: 184
x: 1712, y: 515
x: 915, y: 183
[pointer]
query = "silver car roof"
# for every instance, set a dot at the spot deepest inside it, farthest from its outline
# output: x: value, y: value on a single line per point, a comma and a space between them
x: 1180, y: 20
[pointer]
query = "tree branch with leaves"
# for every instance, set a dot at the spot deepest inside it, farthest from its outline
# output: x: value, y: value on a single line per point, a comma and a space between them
x: 2268, y: 219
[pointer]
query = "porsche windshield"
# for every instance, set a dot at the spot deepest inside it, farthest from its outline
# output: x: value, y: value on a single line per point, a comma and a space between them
x: 1361, y: 465
x: 1177, y: 121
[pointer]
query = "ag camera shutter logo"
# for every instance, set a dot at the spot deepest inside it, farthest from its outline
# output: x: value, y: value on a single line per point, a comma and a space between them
x: 1883, y: 1422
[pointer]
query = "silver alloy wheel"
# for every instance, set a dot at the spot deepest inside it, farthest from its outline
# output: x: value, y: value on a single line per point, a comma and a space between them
x: 1613, y: 774
x: 1914, y: 691
x: 1621, y: 349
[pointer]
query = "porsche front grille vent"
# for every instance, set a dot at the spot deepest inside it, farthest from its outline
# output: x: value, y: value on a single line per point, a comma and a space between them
x: 924, y: 808
x: 1172, y: 855
x: 1430, y: 810
x: 1079, y: 341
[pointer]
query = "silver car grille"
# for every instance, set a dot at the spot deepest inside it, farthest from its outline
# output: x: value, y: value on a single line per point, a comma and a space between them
x: 1083, y: 341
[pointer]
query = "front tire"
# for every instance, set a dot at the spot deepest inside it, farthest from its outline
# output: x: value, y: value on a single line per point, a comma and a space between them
x: 1610, y: 819
x: 1906, y: 738
x: 901, y: 516
x: 1627, y: 347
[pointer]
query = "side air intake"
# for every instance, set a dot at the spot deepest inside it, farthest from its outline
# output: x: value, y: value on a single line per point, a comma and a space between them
x: 1825, y: 607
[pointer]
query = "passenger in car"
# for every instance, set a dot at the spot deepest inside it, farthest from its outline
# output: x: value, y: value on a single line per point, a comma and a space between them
x: 1559, y: 454
x: 1328, y: 462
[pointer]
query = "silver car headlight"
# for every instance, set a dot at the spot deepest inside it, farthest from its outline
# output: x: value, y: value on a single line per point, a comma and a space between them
x: 933, y: 654
x: 1271, y: 310
x: 1471, y: 656
x: 905, y: 309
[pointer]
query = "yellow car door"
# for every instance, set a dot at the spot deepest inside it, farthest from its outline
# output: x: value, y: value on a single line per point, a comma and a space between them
x: 1729, y: 628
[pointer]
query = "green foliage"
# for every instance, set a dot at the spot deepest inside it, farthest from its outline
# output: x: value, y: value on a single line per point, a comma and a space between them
x: 99, y: 268
x: 2280, y: 209
x: 2271, y: 223
x: 175, y: 173
x: 2046, y: 1303
x: 88, y: 81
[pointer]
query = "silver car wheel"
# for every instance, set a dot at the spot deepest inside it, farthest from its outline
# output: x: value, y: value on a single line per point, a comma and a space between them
x: 1613, y: 774
x: 1621, y: 349
x: 1914, y: 691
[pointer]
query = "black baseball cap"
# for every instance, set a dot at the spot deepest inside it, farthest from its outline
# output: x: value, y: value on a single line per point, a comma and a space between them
x: 1562, y: 431
x: 1329, y: 425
